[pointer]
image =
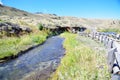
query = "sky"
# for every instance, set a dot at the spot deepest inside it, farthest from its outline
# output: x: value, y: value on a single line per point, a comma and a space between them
x: 78, y: 8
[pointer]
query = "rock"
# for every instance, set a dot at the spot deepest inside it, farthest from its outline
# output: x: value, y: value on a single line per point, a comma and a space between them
x: 28, y: 30
x: 13, y: 29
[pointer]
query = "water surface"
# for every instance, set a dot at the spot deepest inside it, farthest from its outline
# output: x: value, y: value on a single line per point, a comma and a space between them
x: 36, y: 63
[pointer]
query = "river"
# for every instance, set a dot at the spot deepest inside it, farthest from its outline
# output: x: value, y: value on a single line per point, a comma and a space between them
x: 36, y: 64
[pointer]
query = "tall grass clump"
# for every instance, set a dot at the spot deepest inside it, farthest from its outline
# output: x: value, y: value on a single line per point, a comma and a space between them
x: 81, y: 62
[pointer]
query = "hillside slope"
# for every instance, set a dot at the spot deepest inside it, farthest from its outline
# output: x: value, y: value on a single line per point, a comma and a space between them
x: 51, y: 20
x: 10, y: 11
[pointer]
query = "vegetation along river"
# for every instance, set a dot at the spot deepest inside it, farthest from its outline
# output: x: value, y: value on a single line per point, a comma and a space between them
x: 36, y: 64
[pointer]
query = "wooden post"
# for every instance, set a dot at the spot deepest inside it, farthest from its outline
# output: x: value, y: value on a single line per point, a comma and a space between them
x: 117, y: 45
x: 111, y: 58
x: 100, y: 38
x: 92, y: 35
x: 106, y: 42
x: 110, y: 44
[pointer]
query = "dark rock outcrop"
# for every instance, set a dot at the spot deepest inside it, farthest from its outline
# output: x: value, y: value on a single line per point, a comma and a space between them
x: 10, y: 29
x: 60, y: 29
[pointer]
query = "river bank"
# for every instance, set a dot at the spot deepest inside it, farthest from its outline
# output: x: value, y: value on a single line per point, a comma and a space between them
x: 85, y: 59
x: 12, y: 47
x: 37, y: 63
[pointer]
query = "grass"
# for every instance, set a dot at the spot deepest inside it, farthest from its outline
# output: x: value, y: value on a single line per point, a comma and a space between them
x: 84, y: 60
x: 117, y: 30
x: 12, y: 45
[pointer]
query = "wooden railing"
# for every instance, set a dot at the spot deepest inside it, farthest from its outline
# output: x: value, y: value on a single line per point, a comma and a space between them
x: 112, y: 45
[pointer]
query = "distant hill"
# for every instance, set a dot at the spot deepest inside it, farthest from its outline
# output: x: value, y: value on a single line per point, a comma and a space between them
x: 10, y: 11
x: 52, y: 20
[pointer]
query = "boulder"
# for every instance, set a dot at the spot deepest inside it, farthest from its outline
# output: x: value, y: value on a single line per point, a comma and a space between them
x: 28, y: 30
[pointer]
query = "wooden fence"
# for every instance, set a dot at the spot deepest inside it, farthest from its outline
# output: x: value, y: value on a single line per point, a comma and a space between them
x: 112, y: 44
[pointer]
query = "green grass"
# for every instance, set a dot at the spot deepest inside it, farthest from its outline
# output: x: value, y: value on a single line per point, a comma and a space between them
x: 12, y: 45
x: 84, y: 60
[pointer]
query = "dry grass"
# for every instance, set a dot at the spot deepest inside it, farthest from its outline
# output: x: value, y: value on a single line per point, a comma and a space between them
x: 112, y: 29
x: 82, y: 61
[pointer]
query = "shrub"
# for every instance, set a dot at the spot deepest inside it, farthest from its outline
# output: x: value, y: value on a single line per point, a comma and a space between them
x: 40, y: 26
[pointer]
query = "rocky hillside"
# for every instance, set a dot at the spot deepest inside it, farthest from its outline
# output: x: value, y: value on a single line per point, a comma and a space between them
x: 51, y: 20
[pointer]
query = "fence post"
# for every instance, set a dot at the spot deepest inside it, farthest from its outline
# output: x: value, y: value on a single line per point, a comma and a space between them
x: 111, y: 58
x: 106, y: 42
x: 110, y: 44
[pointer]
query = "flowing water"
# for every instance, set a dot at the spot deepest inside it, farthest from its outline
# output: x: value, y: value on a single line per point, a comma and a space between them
x: 36, y: 64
